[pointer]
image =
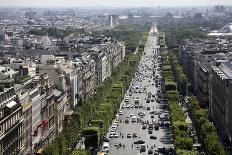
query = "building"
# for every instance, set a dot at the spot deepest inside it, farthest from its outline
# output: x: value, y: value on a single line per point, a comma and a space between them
x: 221, y: 99
x: 11, y: 116
x: 22, y: 90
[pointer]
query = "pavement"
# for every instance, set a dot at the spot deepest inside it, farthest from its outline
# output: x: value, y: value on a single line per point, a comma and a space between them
x: 142, y: 85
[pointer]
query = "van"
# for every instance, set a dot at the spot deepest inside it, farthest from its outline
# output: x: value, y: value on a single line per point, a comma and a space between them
x: 105, y: 147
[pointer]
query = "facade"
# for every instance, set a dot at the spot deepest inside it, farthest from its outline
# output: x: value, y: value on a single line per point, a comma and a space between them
x: 22, y: 91
x: 221, y: 99
x: 11, y: 120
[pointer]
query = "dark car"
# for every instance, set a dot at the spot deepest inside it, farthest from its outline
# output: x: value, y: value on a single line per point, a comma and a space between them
x: 150, y: 151
x: 148, y: 108
x: 144, y: 127
x: 139, y: 142
x: 152, y: 116
x: 166, y: 124
x: 134, y: 135
x: 128, y: 136
x: 156, y: 126
x: 153, y: 137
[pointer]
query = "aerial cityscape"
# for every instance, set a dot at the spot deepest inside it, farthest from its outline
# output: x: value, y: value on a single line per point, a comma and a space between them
x: 111, y: 77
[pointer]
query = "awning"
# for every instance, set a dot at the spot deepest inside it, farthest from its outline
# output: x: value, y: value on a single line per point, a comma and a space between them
x: 11, y: 104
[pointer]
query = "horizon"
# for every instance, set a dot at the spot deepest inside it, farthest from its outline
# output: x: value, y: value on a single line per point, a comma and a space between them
x: 109, y: 3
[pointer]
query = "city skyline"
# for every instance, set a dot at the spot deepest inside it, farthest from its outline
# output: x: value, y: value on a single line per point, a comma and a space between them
x: 109, y: 3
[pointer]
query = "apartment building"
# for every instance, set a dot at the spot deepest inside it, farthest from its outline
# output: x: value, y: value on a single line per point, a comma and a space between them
x: 11, y: 116
x: 221, y: 99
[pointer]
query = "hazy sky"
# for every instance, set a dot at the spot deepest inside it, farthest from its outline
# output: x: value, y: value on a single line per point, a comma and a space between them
x: 115, y: 3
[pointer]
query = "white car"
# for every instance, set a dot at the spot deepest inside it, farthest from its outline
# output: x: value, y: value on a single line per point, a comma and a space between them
x: 116, y: 135
x: 128, y: 106
x: 120, y: 113
x: 114, y: 127
x: 111, y: 136
x: 131, y: 115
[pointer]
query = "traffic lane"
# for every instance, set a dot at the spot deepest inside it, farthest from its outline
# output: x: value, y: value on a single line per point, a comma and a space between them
x: 128, y: 112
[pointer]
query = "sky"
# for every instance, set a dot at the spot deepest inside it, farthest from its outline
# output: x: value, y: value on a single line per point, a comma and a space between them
x: 112, y: 3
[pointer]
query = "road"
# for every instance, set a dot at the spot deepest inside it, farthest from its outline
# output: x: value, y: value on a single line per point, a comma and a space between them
x: 142, y: 84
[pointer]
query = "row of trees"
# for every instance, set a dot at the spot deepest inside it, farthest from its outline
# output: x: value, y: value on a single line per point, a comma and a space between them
x: 182, y: 140
x: 94, y: 117
x: 205, y: 130
x: 178, y: 73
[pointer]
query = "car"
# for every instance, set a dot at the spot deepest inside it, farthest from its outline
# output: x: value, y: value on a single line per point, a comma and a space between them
x: 166, y: 124
x: 127, y: 120
x: 131, y: 115
x: 153, y: 137
x: 142, y: 148
x: 150, y: 151
x: 152, y: 116
x: 161, y: 123
x: 156, y: 126
x: 116, y: 135
x: 152, y: 100
x: 156, y: 153
x: 113, y: 127
x: 163, y: 150
x: 134, y: 135
x: 129, y: 136
x: 144, y: 127
x: 148, y: 108
x: 141, y: 114
x: 112, y: 131
x: 120, y: 113
x: 152, y: 112
x: 139, y: 142
x: 105, y: 139
x: 150, y: 131
x: 111, y: 136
